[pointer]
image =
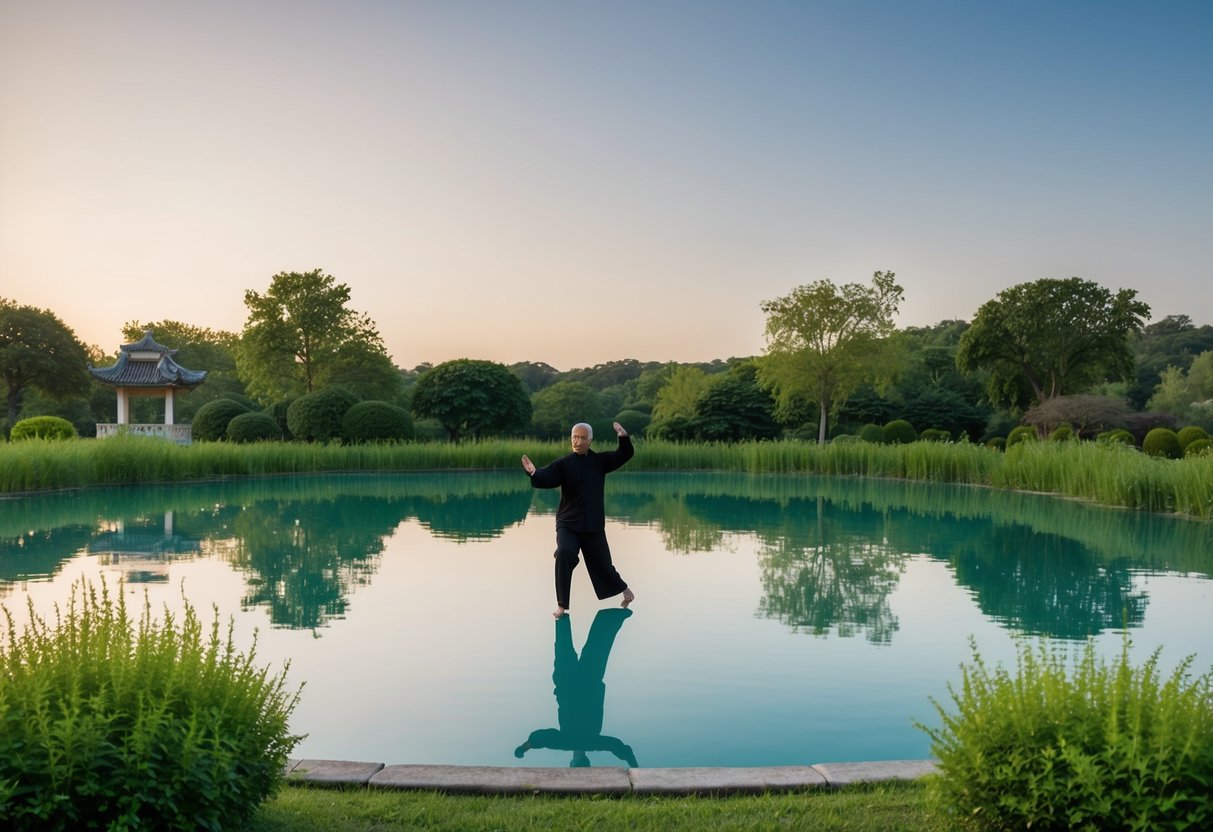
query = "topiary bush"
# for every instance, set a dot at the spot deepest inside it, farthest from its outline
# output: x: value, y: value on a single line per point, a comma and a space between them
x: 278, y: 411
x: 211, y: 421
x: 1118, y: 435
x: 1022, y: 433
x: 1095, y: 747
x: 1062, y: 433
x: 257, y: 426
x: 1198, y: 447
x: 1162, y: 442
x: 1190, y: 434
x: 935, y: 435
x: 899, y: 432
x: 316, y: 417
x: 376, y: 421
x: 872, y: 433
x: 106, y: 723
x: 998, y: 443
x: 43, y: 427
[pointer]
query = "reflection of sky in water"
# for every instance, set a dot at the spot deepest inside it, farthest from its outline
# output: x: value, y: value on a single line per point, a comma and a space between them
x: 442, y: 651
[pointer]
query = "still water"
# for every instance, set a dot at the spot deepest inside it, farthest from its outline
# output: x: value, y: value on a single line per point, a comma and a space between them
x: 779, y: 619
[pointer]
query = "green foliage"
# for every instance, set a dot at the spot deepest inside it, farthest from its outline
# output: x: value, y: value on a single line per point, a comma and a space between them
x: 473, y: 398
x: 38, y: 352
x: 935, y: 435
x: 1022, y: 433
x: 109, y: 723
x: 824, y: 341
x: 1062, y: 433
x: 1119, y: 435
x: 1096, y: 747
x: 557, y: 407
x: 899, y: 432
x: 870, y: 433
x: 277, y: 412
x: 317, y: 417
x: 1198, y: 447
x: 1162, y: 442
x: 735, y: 408
x: 376, y: 421
x: 636, y: 422
x: 43, y: 427
x: 1050, y: 338
x: 253, y: 426
x: 1188, y: 435
x: 997, y: 442
x: 211, y: 421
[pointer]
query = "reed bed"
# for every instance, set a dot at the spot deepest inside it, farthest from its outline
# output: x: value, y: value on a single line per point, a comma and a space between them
x: 1110, y: 474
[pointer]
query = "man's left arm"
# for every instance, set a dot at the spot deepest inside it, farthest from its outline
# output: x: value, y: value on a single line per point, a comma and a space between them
x: 625, y: 451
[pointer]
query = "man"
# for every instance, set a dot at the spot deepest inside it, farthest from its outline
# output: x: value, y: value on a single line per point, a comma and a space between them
x: 581, y: 517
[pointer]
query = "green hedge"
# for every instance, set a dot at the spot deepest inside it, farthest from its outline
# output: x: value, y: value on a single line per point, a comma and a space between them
x: 256, y: 426
x: 43, y: 427
x: 316, y: 417
x: 376, y: 421
x: 211, y: 421
x: 1162, y: 442
x: 109, y: 723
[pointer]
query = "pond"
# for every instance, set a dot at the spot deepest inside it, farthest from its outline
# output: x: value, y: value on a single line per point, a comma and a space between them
x: 779, y: 619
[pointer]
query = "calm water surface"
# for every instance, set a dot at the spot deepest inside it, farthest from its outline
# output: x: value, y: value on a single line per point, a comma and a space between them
x: 779, y: 619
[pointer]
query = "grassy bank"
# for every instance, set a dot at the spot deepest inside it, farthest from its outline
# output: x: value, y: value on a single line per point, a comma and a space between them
x: 1110, y: 474
x: 893, y: 806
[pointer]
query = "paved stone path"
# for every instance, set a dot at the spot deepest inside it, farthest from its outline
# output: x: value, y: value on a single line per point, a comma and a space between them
x: 605, y: 780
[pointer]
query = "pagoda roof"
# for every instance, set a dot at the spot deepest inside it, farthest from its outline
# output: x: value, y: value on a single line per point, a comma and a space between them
x: 146, y: 363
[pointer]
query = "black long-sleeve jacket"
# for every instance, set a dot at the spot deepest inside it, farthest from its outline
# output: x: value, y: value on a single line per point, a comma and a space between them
x: 581, y: 479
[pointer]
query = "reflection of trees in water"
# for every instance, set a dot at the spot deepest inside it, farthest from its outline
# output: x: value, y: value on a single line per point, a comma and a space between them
x: 39, y: 554
x: 824, y: 571
x: 1041, y: 584
x: 471, y: 516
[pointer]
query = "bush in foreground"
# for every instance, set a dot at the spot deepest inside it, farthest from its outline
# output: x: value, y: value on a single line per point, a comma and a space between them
x: 1101, y: 747
x: 109, y: 724
x: 1162, y: 442
x: 316, y: 417
x: 43, y: 427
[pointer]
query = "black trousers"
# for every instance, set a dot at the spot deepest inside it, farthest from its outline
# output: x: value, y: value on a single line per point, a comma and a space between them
x: 597, y: 553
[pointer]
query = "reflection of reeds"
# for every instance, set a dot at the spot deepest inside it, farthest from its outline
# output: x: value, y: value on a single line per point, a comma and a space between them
x: 1109, y: 474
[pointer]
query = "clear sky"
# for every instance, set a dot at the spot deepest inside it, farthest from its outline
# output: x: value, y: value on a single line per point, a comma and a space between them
x: 579, y: 182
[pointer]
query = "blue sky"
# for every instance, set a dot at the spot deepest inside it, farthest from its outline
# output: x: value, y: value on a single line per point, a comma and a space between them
x: 577, y: 182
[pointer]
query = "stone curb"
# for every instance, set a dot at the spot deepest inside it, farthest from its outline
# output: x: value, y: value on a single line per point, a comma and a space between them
x: 604, y: 780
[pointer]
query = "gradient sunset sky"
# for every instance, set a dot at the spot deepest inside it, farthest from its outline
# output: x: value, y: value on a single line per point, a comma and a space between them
x: 580, y: 182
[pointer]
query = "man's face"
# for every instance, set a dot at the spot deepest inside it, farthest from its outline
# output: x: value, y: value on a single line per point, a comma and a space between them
x: 581, y: 440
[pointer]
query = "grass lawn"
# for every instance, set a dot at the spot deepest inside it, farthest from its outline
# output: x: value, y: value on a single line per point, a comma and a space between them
x: 883, y: 806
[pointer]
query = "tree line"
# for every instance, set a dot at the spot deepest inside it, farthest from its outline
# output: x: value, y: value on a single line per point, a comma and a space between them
x: 1047, y: 353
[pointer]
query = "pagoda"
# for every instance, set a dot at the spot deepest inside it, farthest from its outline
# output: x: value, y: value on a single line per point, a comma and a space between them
x: 147, y: 368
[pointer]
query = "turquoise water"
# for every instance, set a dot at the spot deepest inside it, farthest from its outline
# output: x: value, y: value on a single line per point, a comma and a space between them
x: 779, y: 619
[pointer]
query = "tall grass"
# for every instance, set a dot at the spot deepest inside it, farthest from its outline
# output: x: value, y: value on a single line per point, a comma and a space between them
x: 1111, y: 474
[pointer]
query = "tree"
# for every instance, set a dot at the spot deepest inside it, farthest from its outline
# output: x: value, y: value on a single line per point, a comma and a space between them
x: 300, y: 336
x: 735, y: 407
x: 674, y: 409
x: 557, y: 408
x: 1050, y: 338
x: 824, y: 341
x: 38, y: 352
x: 472, y: 398
x: 1087, y: 415
x: 1186, y: 394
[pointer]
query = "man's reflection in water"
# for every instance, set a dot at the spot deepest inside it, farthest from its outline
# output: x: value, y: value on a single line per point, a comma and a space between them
x: 581, y: 692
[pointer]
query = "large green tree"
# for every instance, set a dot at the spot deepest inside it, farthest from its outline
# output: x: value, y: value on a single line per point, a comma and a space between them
x: 38, y: 352
x: 735, y: 407
x: 1052, y: 337
x: 301, y: 335
x: 472, y: 398
x: 557, y: 408
x: 824, y: 341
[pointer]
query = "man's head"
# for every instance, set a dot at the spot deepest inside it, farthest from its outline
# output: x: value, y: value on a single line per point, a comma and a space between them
x: 581, y: 437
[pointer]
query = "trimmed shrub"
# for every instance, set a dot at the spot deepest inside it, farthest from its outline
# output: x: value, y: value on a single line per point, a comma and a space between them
x: 43, y: 427
x: 1162, y: 442
x: 1062, y: 433
x: 1022, y: 433
x: 316, y: 417
x: 899, y: 432
x: 108, y: 723
x: 376, y: 421
x: 257, y: 426
x: 1190, y: 434
x: 211, y: 421
x: 1119, y: 435
x: 1197, y: 447
x: 872, y: 433
x: 935, y: 435
x: 998, y: 443
x: 278, y: 411
x: 1098, y: 747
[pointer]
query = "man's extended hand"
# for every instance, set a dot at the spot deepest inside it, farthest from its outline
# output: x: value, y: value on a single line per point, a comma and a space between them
x: 619, y: 431
x: 527, y: 465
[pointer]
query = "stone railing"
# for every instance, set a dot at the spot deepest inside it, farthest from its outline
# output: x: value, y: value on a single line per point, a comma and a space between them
x: 181, y: 434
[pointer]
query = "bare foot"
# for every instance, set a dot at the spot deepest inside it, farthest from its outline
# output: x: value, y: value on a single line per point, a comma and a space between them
x: 559, y: 611
x: 628, y: 597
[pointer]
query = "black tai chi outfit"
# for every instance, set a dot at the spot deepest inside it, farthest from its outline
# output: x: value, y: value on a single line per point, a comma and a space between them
x: 581, y: 518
